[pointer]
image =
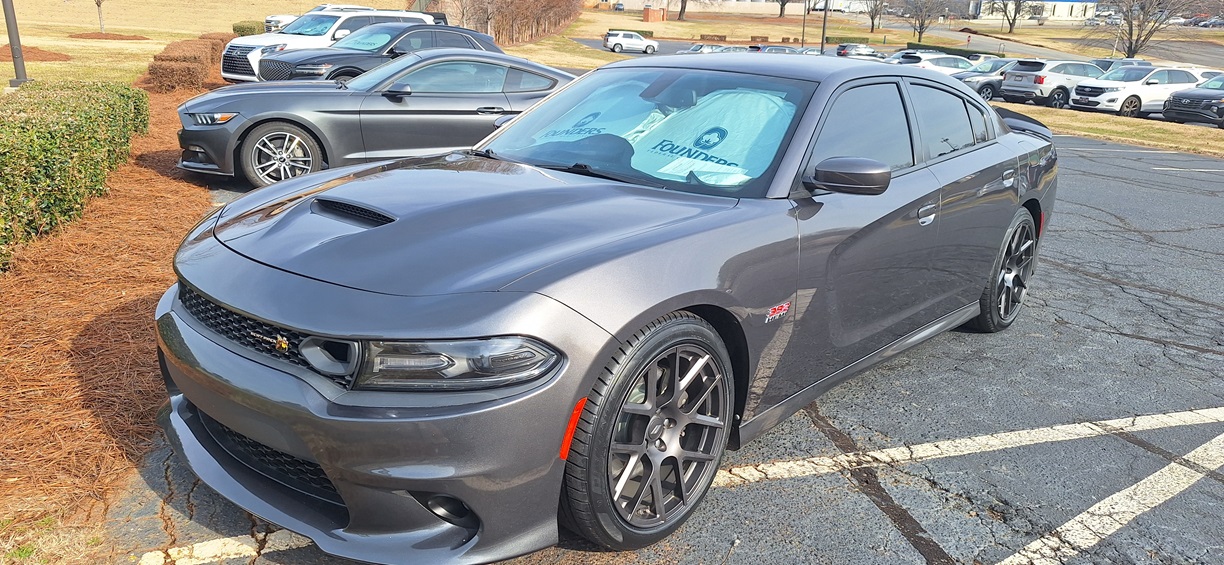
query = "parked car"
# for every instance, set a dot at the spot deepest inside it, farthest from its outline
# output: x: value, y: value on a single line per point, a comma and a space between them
x: 420, y: 103
x: 699, y: 48
x: 986, y: 78
x: 1107, y: 65
x: 1213, y: 22
x: 939, y: 62
x: 979, y: 57
x: 1092, y: 22
x: 896, y: 56
x: 617, y: 41
x: 277, y: 22
x: 810, y: 51
x: 316, y: 29
x: 1202, y: 104
x: 1045, y: 83
x: 367, y: 48
x: 1176, y: 21
x: 772, y: 49
x: 854, y: 49
x: 731, y: 49
x: 1133, y: 91
x: 1114, y: 20
x: 430, y: 360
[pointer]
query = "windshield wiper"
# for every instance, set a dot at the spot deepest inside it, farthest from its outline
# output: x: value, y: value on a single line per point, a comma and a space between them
x: 486, y: 153
x: 586, y: 170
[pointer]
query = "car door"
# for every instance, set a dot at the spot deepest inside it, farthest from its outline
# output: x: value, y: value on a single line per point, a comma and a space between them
x: 864, y: 260
x: 634, y: 42
x: 978, y: 183
x: 1154, y: 91
x: 1178, y: 80
x: 524, y: 88
x: 452, y: 105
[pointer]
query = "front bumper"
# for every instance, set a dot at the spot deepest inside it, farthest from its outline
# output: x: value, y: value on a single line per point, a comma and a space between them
x: 209, y: 149
x: 1202, y: 115
x: 384, y: 454
x: 1108, y: 102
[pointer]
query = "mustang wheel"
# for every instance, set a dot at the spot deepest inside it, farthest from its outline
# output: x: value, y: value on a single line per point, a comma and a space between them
x: 1005, y: 291
x: 651, y: 435
x: 276, y: 151
x: 1130, y: 107
x: 987, y: 92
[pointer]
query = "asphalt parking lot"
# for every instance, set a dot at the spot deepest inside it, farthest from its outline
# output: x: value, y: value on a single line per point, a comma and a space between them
x: 1092, y: 431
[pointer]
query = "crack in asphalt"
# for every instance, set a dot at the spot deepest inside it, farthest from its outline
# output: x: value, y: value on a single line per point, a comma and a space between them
x: 163, y: 510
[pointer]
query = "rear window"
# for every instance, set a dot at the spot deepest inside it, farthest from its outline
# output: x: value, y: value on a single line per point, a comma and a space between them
x: 1029, y: 66
x: 909, y: 60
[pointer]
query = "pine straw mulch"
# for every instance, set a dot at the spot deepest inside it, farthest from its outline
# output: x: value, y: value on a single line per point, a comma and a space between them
x: 99, y: 35
x: 32, y: 54
x: 78, y: 363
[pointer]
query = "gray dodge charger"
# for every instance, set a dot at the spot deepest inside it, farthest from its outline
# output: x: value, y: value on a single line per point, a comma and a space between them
x: 444, y: 359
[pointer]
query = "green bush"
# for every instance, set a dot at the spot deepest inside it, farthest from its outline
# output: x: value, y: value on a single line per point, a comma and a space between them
x: 248, y: 27
x: 58, y: 141
x: 841, y: 39
x: 951, y: 50
x: 641, y: 32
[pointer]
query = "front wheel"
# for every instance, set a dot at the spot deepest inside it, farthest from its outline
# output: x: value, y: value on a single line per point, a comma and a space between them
x: 649, y: 49
x: 616, y: 48
x: 651, y: 435
x: 987, y: 92
x: 276, y: 151
x: 1130, y: 107
x: 1004, y: 294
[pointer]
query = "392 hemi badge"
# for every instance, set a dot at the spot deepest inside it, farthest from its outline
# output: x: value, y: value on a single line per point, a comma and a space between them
x: 777, y: 312
x: 280, y: 342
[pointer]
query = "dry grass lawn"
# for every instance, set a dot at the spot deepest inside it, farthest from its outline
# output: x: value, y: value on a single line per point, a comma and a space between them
x: 1136, y: 131
x: 1091, y: 41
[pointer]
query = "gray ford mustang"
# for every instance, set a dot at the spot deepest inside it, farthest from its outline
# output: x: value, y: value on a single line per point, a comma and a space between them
x: 442, y: 359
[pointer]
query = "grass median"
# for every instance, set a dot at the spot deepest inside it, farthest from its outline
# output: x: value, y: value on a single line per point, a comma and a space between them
x: 1189, y: 138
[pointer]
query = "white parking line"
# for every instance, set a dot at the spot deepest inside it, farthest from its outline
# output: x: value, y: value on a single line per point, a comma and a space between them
x: 1111, y: 514
x: 1114, y: 150
x: 746, y: 474
x: 217, y: 550
x: 1188, y: 170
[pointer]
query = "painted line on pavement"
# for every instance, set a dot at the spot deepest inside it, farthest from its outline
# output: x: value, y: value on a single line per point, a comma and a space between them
x: 217, y: 550
x: 746, y: 474
x: 1188, y: 170
x: 1113, y: 513
x: 1115, y: 150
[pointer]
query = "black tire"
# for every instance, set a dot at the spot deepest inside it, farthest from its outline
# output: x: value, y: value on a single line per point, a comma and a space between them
x: 649, y: 50
x: 344, y: 76
x: 1130, y: 107
x: 987, y: 92
x: 1013, y: 99
x: 1010, y: 273
x: 616, y: 48
x: 275, y: 151
x: 622, y: 408
x: 1057, y: 99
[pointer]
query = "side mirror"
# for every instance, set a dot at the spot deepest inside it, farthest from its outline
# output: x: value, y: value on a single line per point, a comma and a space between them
x: 1152, y: 81
x: 398, y: 91
x: 851, y: 175
x: 393, y: 53
x: 341, y: 34
x: 499, y: 122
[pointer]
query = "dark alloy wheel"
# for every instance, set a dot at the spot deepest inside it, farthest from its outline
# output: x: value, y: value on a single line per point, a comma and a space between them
x: 1004, y: 294
x: 652, y: 435
x: 1130, y: 107
x: 276, y: 151
x: 987, y: 92
x: 1057, y: 99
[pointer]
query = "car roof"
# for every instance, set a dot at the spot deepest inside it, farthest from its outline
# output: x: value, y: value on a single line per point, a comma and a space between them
x: 490, y: 56
x: 404, y: 27
x: 817, y: 69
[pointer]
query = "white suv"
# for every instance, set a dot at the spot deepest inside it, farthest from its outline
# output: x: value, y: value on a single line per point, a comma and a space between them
x: 1134, y: 91
x: 940, y: 62
x: 276, y: 22
x: 314, y: 29
x: 618, y: 41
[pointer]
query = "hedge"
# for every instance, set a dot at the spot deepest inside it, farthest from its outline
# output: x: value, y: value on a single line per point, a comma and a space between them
x: 249, y: 27
x: 952, y: 50
x: 58, y: 141
x: 165, y: 76
x: 187, y: 52
x: 641, y: 32
x: 843, y: 39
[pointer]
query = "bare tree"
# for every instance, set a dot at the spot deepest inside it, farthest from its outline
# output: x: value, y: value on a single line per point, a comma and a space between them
x: 875, y: 10
x: 1142, y: 20
x: 1012, y: 10
x: 782, y: 7
x: 101, y: 22
x: 924, y: 14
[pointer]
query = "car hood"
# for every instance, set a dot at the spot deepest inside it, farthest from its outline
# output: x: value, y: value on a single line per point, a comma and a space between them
x: 278, y: 38
x: 319, y: 55
x: 1199, y: 94
x: 269, y: 88
x: 444, y: 225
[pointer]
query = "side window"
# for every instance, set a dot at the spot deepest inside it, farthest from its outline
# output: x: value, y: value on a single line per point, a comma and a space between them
x: 942, y: 120
x: 977, y: 120
x: 354, y: 23
x: 885, y: 137
x: 414, y: 41
x: 448, y: 39
x: 1181, y: 77
x: 1090, y: 71
x: 385, y: 19
x: 522, y: 81
x: 1066, y: 69
x: 1161, y: 77
x: 455, y: 76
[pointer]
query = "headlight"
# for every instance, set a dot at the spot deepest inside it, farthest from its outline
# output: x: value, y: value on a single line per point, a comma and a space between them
x: 1112, y: 89
x: 212, y: 119
x: 454, y: 365
x: 273, y: 48
x: 312, y: 69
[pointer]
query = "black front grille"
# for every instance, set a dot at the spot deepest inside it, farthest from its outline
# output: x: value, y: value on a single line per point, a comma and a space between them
x: 298, y: 474
x: 1089, y: 91
x: 275, y: 70
x: 365, y: 215
x: 234, y: 61
x: 247, y: 332
x: 1186, y: 103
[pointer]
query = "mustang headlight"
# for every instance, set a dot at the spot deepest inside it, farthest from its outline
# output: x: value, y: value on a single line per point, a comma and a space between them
x: 312, y: 69
x: 454, y: 365
x: 273, y: 48
x: 212, y: 119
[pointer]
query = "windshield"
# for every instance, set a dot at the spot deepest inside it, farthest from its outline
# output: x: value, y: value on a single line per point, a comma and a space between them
x: 1127, y: 74
x: 993, y: 65
x: 366, y: 39
x: 709, y: 132
x: 310, y: 24
x: 1216, y: 83
x: 368, y: 80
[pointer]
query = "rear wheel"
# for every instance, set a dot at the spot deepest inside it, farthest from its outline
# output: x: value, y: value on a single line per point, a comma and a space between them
x: 616, y: 48
x: 1130, y: 107
x: 276, y: 151
x: 649, y: 49
x: 987, y: 92
x: 1057, y: 99
x: 1003, y: 297
x: 651, y: 435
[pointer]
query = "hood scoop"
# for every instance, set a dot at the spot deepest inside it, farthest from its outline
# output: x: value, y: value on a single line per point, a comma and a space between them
x: 351, y: 213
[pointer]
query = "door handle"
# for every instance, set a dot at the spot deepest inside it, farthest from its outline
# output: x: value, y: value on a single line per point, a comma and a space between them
x: 926, y: 214
x: 490, y: 110
x: 1009, y: 178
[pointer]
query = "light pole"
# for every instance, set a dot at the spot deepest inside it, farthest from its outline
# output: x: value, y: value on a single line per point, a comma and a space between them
x: 807, y: 6
x: 824, y: 24
x: 10, y: 18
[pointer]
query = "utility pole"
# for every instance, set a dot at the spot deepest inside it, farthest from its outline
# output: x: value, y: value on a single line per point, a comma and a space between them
x: 807, y: 7
x: 824, y: 24
x: 10, y: 18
